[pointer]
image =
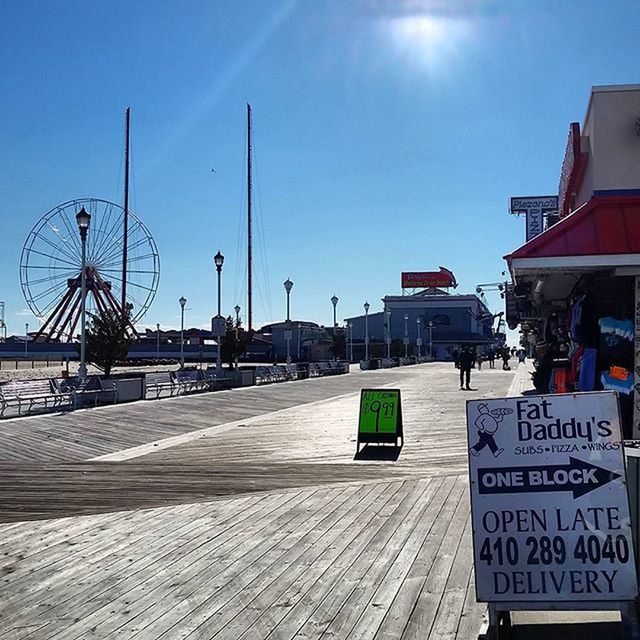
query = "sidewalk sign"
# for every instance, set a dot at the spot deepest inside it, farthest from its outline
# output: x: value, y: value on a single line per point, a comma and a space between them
x: 550, y: 511
x: 380, y: 417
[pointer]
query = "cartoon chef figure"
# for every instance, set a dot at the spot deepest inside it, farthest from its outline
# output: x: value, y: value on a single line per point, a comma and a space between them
x: 487, y: 425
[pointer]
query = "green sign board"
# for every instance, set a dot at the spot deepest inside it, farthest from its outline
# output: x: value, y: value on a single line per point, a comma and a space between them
x: 380, y: 416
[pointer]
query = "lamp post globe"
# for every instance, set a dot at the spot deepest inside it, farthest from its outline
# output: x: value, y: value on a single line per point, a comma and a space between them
x: 366, y: 306
x: 83, y: 220
x: 182, y: 302
x: 334, y: 302
x: 218, y: 260
x: 288, y: 285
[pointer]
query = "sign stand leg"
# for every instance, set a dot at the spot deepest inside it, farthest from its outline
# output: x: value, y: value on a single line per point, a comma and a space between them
x: 636, y: 363
x: 499, y: 625
x: 629, y: 615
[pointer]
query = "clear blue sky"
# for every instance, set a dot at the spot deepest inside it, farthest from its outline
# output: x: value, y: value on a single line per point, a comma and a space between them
x: 389, y: 135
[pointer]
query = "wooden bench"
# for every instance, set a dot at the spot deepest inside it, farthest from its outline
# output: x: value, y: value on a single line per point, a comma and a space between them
x: 263, y: 375
x: 93, y: 389
x: 29, y: 395
x: 190, y: 381
x: 216, y: 381
x: 157, y: 383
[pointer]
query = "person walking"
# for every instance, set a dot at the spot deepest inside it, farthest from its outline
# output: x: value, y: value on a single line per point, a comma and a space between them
x: 506, y: 354
x: 466, y: 359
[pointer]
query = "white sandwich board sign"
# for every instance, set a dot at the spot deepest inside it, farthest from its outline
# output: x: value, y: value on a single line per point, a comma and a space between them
x: 549, y: 501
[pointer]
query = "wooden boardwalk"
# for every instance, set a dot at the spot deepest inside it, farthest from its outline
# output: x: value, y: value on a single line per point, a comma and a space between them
x: 263, y: 526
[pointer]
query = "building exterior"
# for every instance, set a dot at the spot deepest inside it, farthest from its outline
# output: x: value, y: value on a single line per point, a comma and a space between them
x: 436, y: 322
x: 576, y: 286
x: 308, y: 341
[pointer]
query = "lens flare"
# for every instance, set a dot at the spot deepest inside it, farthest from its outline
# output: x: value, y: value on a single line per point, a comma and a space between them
x: 432, y: 43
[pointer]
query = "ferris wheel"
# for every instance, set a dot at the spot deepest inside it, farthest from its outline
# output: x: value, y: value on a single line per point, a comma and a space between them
x: 51, y: 266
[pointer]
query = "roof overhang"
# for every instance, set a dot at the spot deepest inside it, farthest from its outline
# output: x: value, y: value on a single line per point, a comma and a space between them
x: 602, y: 234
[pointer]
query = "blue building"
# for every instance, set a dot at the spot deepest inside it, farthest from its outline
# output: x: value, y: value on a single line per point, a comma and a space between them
x: 430, y: 321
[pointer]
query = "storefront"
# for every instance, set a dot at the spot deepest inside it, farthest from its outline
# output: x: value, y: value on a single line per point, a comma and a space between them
x: 576, y: 286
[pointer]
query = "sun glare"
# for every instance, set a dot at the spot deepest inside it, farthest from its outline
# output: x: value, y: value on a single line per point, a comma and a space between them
x: 432, y: 43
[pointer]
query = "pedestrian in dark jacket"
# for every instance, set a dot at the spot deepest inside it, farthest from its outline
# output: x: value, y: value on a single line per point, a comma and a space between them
x: 465, y: 362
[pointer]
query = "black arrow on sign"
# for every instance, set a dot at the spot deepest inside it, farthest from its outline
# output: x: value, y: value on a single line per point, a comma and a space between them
x: 578, y: 476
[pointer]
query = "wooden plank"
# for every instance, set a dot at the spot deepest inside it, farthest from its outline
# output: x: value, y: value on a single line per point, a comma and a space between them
x: 197, y: 535
x: 332, y: 615
x: 211, y: 588
x: 421, y: 620
x: 367, y: 605
x: 132, y: 586
x: 240, y: 614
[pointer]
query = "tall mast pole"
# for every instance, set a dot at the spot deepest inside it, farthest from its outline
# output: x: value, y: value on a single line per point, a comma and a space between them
x: 125, y: 240
x: 249, y: 247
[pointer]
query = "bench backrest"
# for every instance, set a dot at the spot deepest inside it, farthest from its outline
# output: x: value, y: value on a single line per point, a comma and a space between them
x: 159, y: 377
x: 188, y: 376
x: 26, y: 388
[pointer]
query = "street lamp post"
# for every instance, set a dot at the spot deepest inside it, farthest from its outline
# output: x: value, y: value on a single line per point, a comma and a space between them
x: 182, y: 302
x: 334, y: 302
x: 218, y: 260
x: 83, y: 219
x: 26, y: 338
x: 367, y: 306
x: 388, y: 333
x: 288, y: 285
x: 406, y: 336
x: 351, y: 342
x: 299, y: 332
x: 419, y: 339
x: 158, y: 341
x: 237, y: 310
x: 430, y: 338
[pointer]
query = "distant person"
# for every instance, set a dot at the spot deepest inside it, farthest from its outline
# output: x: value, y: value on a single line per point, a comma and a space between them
x: 491, y: 357
x: 522, y: 356
x: 479, y: 360
x: 465, y: 362
x: 506, y: 354
x: 456, y: 354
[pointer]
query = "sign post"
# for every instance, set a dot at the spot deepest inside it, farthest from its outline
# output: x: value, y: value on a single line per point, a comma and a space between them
x: 536, y: 209
x: 550, y: 512
x: 380, y: 418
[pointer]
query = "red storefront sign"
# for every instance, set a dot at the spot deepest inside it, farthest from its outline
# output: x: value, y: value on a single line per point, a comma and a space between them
x: 424, y: 279
x: 573, y: 166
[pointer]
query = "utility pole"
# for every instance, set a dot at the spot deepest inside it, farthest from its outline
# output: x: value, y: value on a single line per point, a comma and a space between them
x: 249, y: 241
x: 125, y: 239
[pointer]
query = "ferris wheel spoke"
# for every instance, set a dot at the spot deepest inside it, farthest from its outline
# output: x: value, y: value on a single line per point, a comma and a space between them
x: 110, y: 252
x: 50, y: 291
x: 99, y: 231
x: 117, y: 289
x: 128, y: 271
x: 57, y: 259
x: 134, y: 259
x: 115, y: 254
x: 59, y: 276
x: 50, y: 267
x: 56, y: 247
x: 101, y: 237
x: 109, y: 235
x: 73, y: 233
x: 103, y: 243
